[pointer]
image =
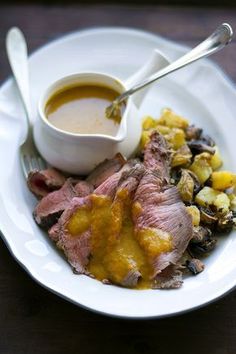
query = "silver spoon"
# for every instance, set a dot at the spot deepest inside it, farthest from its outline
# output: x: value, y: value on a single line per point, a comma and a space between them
x: 216, y: 41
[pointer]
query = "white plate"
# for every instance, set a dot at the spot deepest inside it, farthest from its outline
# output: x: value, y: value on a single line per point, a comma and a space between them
x: 201, y: 92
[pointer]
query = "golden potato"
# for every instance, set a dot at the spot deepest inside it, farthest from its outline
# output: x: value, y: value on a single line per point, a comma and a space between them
x: 195, y: 213
x: 216, y: 160
x: 172, y: 120
x: 176, y: 138
x: 232, y: 198
x: 222, y: 180
x: 206, y: 196
x: 201, y: 166
x: 149, y: 123
x: 145, y: 137
x: 209, y: 196
x: 163, y: 129
x: 222, y: 203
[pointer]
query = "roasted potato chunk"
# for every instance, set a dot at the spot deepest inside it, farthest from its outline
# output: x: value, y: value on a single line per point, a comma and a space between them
x: 176, y: 138
x: 222, y: 203
x: 222, y: 180
x: 145, y: 137
x: 209, y: 196
x: 172, y: 120
x: 149, y: 123
x: 201, y: 166
x: 195, y: 214
x: 206, y: 196
x: 216, y: 160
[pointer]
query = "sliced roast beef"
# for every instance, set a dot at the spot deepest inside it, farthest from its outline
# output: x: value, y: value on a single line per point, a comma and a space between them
x: 106, y: 169
x: 169, y: 278
x: 50, y: 207
x: 71, y: 245
x: 43, y: 182
x: 161, y: 209
x: 75, y: 247
x: 141, y: 204
x: 157, y: 156
x: 129, y: 272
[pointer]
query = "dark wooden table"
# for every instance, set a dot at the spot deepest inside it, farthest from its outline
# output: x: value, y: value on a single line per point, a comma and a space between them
x: 32, y: 320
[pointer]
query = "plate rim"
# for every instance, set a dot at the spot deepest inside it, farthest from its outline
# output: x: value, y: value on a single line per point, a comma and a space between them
x: 13, y: 251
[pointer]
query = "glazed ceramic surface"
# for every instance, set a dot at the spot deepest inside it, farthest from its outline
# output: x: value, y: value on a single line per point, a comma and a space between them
x: 201, y: 92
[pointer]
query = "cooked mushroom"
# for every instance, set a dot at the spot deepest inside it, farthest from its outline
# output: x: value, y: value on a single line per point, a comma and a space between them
x: 207, y: 216
x: 193, y: 133
x: 225, y: 222
x: 207, y: 140
x: 195, y: 266
x: 202, y: 241
x: 200, y: 233
x: 198, y: 146
x: 197, y: 184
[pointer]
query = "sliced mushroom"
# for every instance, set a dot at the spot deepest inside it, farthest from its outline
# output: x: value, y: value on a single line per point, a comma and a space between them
x: 193, y: 133
x: 207, y: 140
x: 202, y: 242
x: 200, y: 233
x: 195, y: 265
x: 225, y: 222
x: 198, y: 146
x: 207, y: 216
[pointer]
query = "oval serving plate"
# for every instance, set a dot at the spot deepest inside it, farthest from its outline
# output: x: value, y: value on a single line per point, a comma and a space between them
x: 200, y: 92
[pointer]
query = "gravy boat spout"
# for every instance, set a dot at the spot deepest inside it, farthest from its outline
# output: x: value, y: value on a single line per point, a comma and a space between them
x: 80, y: 153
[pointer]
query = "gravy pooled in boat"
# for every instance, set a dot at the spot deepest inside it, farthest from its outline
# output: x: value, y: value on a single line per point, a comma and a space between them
x: 81, y: 110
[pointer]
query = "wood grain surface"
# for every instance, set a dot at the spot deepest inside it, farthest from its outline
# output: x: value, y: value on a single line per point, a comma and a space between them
x: 34, y: 321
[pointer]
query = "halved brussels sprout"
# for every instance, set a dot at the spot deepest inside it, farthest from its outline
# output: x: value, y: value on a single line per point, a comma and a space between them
x: 181, y: 157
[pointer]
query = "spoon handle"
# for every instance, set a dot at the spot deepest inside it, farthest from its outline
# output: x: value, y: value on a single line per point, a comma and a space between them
x: 216, y: 41
x: 18, y: 58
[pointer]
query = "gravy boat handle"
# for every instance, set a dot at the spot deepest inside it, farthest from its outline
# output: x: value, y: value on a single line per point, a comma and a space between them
x: 156, y: 62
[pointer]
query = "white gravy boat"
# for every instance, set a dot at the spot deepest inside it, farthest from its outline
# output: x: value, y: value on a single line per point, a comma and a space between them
x: 80, y: 153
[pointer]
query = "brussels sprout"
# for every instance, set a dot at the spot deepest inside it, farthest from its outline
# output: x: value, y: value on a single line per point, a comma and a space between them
x: 181, y: 157
x: 186, y: 186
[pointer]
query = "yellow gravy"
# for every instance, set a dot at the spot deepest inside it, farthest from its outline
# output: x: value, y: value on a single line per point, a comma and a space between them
x: 81, y: 110
x: 116, y: 248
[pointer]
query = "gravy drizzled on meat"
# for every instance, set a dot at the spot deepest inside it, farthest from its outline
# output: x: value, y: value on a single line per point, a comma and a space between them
x: 133, y: 228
